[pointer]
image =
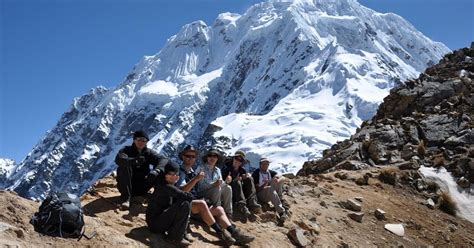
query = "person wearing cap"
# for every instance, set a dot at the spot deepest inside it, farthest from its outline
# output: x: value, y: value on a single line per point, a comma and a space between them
x: 169, y: 207
x: 134, y: 163
x: 243, y: 188
x: 213, y: 216
x: 269, y: 187
x: 212, y: 187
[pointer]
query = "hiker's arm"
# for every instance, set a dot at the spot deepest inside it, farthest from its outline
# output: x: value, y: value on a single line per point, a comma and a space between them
x: 158, y: 160
x: 122, y: 159
x: 175, y: 192
x: 189, y: 185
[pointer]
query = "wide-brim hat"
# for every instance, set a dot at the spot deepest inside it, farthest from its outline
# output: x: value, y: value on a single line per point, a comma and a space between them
x: 241, y: 154
x: 188, y: 148
x: 209, y: 152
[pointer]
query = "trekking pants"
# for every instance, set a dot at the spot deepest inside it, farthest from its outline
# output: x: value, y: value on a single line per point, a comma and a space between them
x: 173, y: 220
x: 219, y: 196
x: 127, y: 186
x: 273, y: 195
x: 243, y: 192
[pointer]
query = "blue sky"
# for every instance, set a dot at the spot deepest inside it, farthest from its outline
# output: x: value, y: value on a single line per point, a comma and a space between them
x: 54, y: 50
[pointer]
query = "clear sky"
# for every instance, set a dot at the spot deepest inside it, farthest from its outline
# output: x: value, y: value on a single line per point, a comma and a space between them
x: 54, y: 50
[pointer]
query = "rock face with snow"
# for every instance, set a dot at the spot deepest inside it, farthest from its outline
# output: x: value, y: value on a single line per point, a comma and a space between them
x: 426, y: 122
x: 284, y: 80
x: 6, y: 166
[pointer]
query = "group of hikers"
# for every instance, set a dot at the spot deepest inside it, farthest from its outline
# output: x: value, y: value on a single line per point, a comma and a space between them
x: 206, y: 192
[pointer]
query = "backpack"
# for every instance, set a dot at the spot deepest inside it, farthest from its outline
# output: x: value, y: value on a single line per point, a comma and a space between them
x: 60, y: 214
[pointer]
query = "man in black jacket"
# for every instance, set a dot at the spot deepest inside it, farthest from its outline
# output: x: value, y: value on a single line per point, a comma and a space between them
x: 134, y: 164
x: 169, y: 208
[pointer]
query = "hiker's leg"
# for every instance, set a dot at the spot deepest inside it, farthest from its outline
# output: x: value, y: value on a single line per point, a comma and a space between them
x: 226, y: 198
x: 178, y: 214
x: 278, y: 187
x: 249, y: 191
x: 270, y: 195
x: 237, y: 193
x: 213, y: 195
x: 220, y: 216
x: 124, y: 182
x: 200, y: 207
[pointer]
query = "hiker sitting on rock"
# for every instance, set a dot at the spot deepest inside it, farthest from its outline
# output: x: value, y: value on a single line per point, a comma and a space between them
x: 211, y: 187
x: 169, y: 207
x: 134, y: 164
x: 213, y: 216
x: 243, y: 188
x: 269, y: 186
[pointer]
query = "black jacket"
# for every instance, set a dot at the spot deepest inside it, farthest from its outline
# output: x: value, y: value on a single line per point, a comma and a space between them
x: 139, y: 162
x: 164, y: 196
x: 256, y: 177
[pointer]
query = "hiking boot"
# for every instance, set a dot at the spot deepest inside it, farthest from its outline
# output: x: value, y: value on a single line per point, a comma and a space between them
x: 188, y: 237
x: 244, y: 210
x: 176, y: 243
x: 125, y: 205
x: 241, y: 238
x: 226, y: 238
x: 285, y: 204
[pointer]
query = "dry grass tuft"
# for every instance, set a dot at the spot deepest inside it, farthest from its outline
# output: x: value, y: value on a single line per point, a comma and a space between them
x: 388, y: 175
x: 447, y: 203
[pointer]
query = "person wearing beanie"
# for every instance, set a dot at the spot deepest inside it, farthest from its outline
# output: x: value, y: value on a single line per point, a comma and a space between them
x: 169, y: 207
x: 213, y: 216
x: 243, y: 188
x: 134, y: 163
x: 269, y: 187
x: 212, y: 187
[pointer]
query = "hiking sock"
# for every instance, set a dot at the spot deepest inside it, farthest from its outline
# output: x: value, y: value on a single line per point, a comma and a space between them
x: 216, y: 227
x: 231, y: 229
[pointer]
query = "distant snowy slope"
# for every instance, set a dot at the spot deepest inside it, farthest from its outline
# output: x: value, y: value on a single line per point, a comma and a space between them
x: 6, y: 167
x: 283, y: 80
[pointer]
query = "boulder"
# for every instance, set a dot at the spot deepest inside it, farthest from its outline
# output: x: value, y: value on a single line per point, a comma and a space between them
x: 379, y: 214
x: 356, y: 216
x: 463, y: 183
x: 297, y: 235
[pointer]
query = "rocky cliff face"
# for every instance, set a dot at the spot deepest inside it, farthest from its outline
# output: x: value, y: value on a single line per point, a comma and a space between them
x: 284, y: 80
x: 425, y: 122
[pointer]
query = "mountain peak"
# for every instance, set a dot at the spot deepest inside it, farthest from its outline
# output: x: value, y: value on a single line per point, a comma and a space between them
x: 284, y: 80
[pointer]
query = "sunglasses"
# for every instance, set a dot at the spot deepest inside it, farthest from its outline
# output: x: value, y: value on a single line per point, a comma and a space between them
x: 240, y: 159
x: 189, y: 156
x: 141, y: 139
x: 172, y: 174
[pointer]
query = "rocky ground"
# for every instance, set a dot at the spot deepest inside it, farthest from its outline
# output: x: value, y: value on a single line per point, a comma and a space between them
x: 320, y: 217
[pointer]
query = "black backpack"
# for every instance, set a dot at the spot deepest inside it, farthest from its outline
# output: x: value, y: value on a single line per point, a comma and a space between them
x: 60, y: 214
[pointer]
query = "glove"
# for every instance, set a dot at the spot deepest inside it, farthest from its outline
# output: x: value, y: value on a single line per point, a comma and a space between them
x: 151, y: 177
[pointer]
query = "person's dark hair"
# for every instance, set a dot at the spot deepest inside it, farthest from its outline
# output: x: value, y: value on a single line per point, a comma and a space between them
x: 140, y: 134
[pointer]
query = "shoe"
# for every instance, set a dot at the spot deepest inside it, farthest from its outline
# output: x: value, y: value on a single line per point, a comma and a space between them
x: 125, y: 205
x: 283, y: 216
x: 244, y: 210
x: 177, y: 243
x: 240, y: 238
x: 285, y: 204
x: 188, y: 237
x: 226, y: 238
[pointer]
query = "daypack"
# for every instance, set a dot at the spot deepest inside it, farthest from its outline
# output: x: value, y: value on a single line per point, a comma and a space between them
x: 60, y: 214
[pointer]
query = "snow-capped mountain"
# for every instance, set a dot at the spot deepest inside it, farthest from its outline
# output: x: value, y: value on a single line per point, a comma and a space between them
x: 6, y: 167
x: 284, y: 80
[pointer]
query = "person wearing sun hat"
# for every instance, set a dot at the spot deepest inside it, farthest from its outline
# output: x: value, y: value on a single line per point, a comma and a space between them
x: 212, y: 187
x: 213, y: 216
x: 243, y: 188
x: 269, y: 187
x: 134, y: 164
